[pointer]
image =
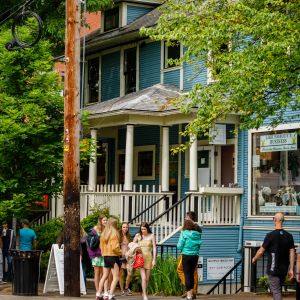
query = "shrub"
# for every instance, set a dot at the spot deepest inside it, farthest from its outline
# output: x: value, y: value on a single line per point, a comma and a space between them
x: 44, y: 264
x: 48, y: 233
x: 263, y: 282
x: 164, y: 278
x: 91, y: 220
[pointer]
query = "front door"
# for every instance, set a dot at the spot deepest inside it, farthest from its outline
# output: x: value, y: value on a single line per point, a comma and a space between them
x: 205, y: 171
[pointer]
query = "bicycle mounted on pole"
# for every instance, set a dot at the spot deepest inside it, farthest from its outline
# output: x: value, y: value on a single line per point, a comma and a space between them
x: 26, y: 27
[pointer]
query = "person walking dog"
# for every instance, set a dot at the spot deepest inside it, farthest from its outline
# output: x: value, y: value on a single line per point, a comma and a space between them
x: 279, y: 245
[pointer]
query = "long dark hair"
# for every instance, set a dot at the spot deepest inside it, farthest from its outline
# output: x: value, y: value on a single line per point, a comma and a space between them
x: 146, y: 225
x: 189, y: 225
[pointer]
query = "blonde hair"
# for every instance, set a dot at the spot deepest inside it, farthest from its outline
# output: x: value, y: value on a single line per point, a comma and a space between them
x: 82, y: 232
x: 110, y: 230
x: 99, y: 225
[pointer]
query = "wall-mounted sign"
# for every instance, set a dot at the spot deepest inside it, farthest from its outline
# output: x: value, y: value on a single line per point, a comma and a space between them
x: 218, y: 134
x: 218, y: 267
x: 278, y: 142
x: 200, y: 268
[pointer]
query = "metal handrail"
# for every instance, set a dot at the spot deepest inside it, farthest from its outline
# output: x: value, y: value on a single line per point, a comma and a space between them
x: 223, y: 280
x: 169, y: 209
x: 148, y: 208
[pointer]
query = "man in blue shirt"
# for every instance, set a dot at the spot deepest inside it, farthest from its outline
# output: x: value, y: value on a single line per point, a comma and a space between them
x: 27, y: 237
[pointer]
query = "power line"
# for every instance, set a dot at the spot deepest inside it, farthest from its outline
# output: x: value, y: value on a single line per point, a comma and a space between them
x: 4, y: 17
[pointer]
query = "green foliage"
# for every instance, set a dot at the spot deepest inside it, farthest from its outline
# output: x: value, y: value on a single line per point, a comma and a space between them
x: 164, y: 278
x: 31, y: 126
x: 263, y: 282
x: 92, y: 219
x: 252, y: 49
x: 136, y: 282
x: 48, y: 233
x: 44, y: 264
x: 53, y: 15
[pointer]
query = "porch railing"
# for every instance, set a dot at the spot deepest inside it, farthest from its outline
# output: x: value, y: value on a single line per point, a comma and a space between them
x: 126, y: 205
x: 217, y: 205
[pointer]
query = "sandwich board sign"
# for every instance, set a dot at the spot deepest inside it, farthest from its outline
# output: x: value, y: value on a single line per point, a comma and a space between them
x: 55, y: 273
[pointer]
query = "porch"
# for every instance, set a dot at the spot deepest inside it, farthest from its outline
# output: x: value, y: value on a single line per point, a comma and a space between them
x: 214, y: 206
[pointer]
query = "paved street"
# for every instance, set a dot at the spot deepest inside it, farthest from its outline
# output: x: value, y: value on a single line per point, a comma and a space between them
x: 5, y: 294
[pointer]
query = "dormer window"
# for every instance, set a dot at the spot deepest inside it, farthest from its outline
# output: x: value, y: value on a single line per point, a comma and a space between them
x: 172, y: 52
x: 93, y: 80
x: 111, y: 19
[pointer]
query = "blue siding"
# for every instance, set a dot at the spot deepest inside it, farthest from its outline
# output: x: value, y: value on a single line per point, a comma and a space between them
x: 122, y: 138
x: 172, y: 77
x: 110, y: 76
x: 148, y: 135
x: 111, y: 160
x: 214, y: 245
x: 134, y: 12
x: 149, y: 65
x: 193, y: 73
x: 143, y: 135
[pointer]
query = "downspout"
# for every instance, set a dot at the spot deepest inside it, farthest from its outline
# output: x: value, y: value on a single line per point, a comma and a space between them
x: 240, y: 243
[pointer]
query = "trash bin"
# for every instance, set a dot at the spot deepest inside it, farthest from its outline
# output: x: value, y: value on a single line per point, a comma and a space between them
x: 26, y: 272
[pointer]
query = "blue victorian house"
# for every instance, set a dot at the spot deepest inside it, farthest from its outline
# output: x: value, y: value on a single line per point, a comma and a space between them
x: 234, y: 183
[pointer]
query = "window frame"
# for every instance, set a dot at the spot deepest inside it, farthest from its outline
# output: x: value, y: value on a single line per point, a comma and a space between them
x: 88, y: 102
x: 166, y: 58
x: 115, y: 10
x: 269, y: 130
x: 136, y: 151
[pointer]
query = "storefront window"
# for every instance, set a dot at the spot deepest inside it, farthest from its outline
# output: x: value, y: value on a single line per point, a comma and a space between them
x: 275, y: 173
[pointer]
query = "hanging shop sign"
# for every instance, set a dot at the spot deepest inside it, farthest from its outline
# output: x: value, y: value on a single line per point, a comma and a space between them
x: 278, y: 142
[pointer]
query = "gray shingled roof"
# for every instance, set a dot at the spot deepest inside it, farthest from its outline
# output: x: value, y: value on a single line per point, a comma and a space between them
x: 154, y: 99
x: 146, y: 20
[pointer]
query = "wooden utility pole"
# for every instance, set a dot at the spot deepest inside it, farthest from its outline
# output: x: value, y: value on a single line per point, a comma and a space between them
x: 71, y: 151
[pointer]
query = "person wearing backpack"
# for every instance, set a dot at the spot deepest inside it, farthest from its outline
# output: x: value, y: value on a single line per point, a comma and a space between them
x: 93, y: 247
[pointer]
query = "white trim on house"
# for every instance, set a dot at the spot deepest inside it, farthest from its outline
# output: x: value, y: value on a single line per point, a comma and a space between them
x: 181, y: 70
x: 100, y: 79
x: 136, y: 150
x: 123, y: 14
x: 137, y: 75
x: 162, y: 45
x: 122, y: 77
x: 267, y: 128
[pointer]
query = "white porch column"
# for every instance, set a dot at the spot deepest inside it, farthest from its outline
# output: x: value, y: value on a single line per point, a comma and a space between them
x: 93, y: 164
x: 193, y: 165
x: 129, y: 158
x: 165, y: 160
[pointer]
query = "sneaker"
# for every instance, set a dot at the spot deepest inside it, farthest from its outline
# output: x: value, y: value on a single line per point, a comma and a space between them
x: 128, y: 292
x: 105, y: 296
x: 111, y: 297
x: 183, y: 295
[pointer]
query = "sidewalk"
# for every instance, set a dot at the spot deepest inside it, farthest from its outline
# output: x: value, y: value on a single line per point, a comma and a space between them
x: 5, y: 294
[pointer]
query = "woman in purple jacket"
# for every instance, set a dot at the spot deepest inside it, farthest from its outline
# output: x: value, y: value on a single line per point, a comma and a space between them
x: 95, y: 255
